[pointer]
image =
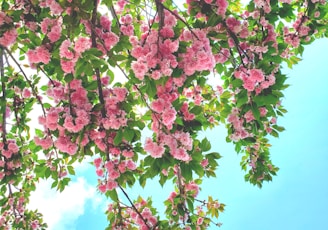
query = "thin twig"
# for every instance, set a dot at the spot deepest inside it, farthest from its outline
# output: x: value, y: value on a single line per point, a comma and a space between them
x: 27, y: 80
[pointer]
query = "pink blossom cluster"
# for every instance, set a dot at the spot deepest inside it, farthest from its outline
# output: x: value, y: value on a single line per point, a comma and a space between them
x: 222, y: 6
x: 146, y: 214
x: 8, y: 37
x: 65, y: 144
x: 126, y: 25
x: 254, y: 79
x: 8, y: 162
x: 52, y: 28
x: 39, y: 54
x: 115, y: 116
x: 13, y: 206
x: 192, y: 188
x: 45, y: 142
x: 113, y: 168
x: 109, y: 39
x: 4, y: 19
x: 154, y: 149
x: 237, y: 123
x: 199, y: 56
x: 54, y: 6
x: 187, y: 116
x: 74, y: 118
x: 300, y: 30
x: 70, y: 55
x: 194, y: 93
x: 155, y: 52
x: 222, y: 56
x: 56, y: 91
x: 178, y: 144
x: 8, y: 149
x: 263, y: 4
x: 249, y: 116
x: 163, y: 111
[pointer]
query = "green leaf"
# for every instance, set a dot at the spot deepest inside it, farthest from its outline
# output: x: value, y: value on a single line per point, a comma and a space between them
x: 118, y: 137
x: 205, y: 145
x: 190, y: 204
x: 186, y: 171
x: 197, y: 168
x: 128, y: 134
x: 71, y: 170
x: 266, y: 100
x: 214, y: 155
x: 241, y: 98
x: 113, y: 195
x: 225, y: 95
x: 196, y: 110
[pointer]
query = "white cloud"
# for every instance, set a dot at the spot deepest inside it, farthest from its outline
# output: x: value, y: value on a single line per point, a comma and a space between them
x: 61, y: 210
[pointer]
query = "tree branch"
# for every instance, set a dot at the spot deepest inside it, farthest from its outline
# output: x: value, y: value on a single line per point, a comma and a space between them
x: 134, y: 207
x: 3, y: 98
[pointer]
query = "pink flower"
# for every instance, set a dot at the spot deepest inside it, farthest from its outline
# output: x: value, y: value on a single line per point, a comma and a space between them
x: 222, y: 56
x: 110, y: 39
x: 200, y: 220
x: 105, y: 23
x: 13, y: 147
x: 82, y: 44
x: 120, y: 93
x: 40, y: 54
x: 249, y: 116
x: 155, y: 150
x: 97, y: 162
x: 99, y: 172
x: 204, y: 163
x: 222, y: 7
x: 128, y: 153
x: 158, y: 105
x: 249, y: 84
x: 273, y: 120
x: 139, y: 68
x: 102, y: 188
x: 8, y: 37
x: 113, y: 174
x: 169, y: 116
x: 45, y: 143
x: 131, y: 165
x: 67, y: 66
x: 55, y: 8
x: 64, y: 50
x: 64, y: 144
x: 193, y: 187
x: 167, y: 32
x: 180, y: 154
x: 256, y: 75
x: 26, y: 93
x: 55, y: 33
x: 111, y: 184
x: 263, y: 111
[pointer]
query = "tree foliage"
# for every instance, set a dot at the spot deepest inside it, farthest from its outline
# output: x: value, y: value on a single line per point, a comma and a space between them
x: 132, y: 84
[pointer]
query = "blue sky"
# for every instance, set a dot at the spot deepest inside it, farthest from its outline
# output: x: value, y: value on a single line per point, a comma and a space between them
x: 296, y: 199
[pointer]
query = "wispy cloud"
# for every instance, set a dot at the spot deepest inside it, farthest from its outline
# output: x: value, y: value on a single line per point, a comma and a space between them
x: 61, y: 210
